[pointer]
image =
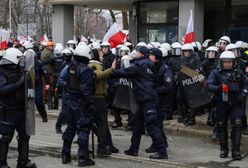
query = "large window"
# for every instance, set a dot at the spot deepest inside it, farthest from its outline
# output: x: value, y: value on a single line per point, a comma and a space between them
x: 157, y: 21
x: 226, y: 17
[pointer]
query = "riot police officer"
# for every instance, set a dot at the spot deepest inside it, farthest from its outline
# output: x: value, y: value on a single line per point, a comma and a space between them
x: 40, y: 71
x: 242, y: 64
x: 78, y: 78
x: 229, y: 85
x: 174, y: 62
x: 67, y: 56
x: 223, y: 42
x: 58, y: 60
x: 141, y: 72
x: 191, y: 92
x: 71, y: 44
x: 209, y: 64
x: 164, y: 87
x: 13, y: 115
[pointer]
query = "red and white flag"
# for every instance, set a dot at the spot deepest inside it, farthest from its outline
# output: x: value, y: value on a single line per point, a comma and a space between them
x: 114, y: 36
x: 190, y: 35
x: 4, y: 39
x: 44, y: 39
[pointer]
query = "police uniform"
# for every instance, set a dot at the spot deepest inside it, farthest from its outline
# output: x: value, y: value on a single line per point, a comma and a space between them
x: 163, y: 85
x: 78, y: 77
x: 12, y: 93
x: 40, y: 71
x: 141, y: 72
x: 58, y: 63
x: 228, y: 108
x: 64, y: 91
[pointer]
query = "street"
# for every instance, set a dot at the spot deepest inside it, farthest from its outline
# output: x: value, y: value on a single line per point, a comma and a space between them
x: 183, y: 151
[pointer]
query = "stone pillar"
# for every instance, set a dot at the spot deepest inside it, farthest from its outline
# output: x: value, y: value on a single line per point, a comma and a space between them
x: 133, y: 34
x: 63, y: 23
x: 198, y: 14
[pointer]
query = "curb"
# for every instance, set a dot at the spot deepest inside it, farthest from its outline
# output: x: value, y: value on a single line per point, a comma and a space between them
x: 175, y: 129
x: 55, y: 152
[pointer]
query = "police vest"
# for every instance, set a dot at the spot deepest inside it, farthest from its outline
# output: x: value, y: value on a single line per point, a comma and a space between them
x: 17, y: 96
x: 74, y: 83
x: 58, y: 65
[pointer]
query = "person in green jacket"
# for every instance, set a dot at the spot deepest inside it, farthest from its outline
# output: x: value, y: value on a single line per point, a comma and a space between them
x: 100, y: 117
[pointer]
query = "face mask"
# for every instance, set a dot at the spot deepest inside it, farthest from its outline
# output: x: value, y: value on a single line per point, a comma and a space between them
x: 133, y: 54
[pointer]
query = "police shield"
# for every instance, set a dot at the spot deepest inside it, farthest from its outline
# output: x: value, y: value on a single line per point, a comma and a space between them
x: 29, y: 67
x: 124, y: 97
x: 194, y: 91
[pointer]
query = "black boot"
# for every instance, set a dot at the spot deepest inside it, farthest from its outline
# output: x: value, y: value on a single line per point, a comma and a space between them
x: 223, y: 139
x: 23, y: 149
x: 236, y: 139
x: 86, y: 161
x: 151, y: 149
x: 103, y: 151
x: 114, y: 149
x: 191, y: 118
x: 158, y: 155
x: 182, y: 110
x: 130, y: 152
x: 66, y: 154
x: 4, y: 147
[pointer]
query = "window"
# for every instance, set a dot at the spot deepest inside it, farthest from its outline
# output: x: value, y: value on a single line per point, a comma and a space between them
x: 157, y: 21
x: 226, y: 17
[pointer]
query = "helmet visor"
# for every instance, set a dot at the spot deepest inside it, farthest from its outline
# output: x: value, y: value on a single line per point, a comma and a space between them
x: 211, y: 54
x: 176, y: 51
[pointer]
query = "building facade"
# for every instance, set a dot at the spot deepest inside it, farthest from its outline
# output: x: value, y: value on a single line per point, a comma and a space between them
x: 163, y: 20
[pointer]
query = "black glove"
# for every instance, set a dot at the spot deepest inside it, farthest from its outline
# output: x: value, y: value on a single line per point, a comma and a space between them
x: 233, y: 88
x: 20, y: 82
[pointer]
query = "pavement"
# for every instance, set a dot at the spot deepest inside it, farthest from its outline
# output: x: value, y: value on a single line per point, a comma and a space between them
x: 188, y: 147
x: 201, y: 129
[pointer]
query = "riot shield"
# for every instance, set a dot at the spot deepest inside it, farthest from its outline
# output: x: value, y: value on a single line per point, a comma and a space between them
x: 193, y: 83
x: 29, y: 67
x: 124, y: 97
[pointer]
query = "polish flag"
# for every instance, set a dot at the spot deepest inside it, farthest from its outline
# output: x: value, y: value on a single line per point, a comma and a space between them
x: 4, y: 39
x: 190, y: 36
x: 44, y: 38
x: 114, y: 36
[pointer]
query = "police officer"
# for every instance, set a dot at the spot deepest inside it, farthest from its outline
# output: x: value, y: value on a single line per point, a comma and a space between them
x: 164, y: 88
x: 67, y: 56
x: 71, y: 44
x: 58, y: 60
x: 242, y: 64
x: 174, y: 62
x: 229, y: 85
x: 78, y: 77
x: 12, y: 93
x: 222, y: 43
x: 209, y: 64
x: 129, y: 45
x: 141, y: 72
x: 190, y: 88
x: 166, y: 51
x: 40, y: 71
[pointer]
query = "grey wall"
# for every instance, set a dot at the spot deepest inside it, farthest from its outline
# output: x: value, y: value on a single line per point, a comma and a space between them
x: 133, y: 27
x: 63, y: 23
x: 198, y: 13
